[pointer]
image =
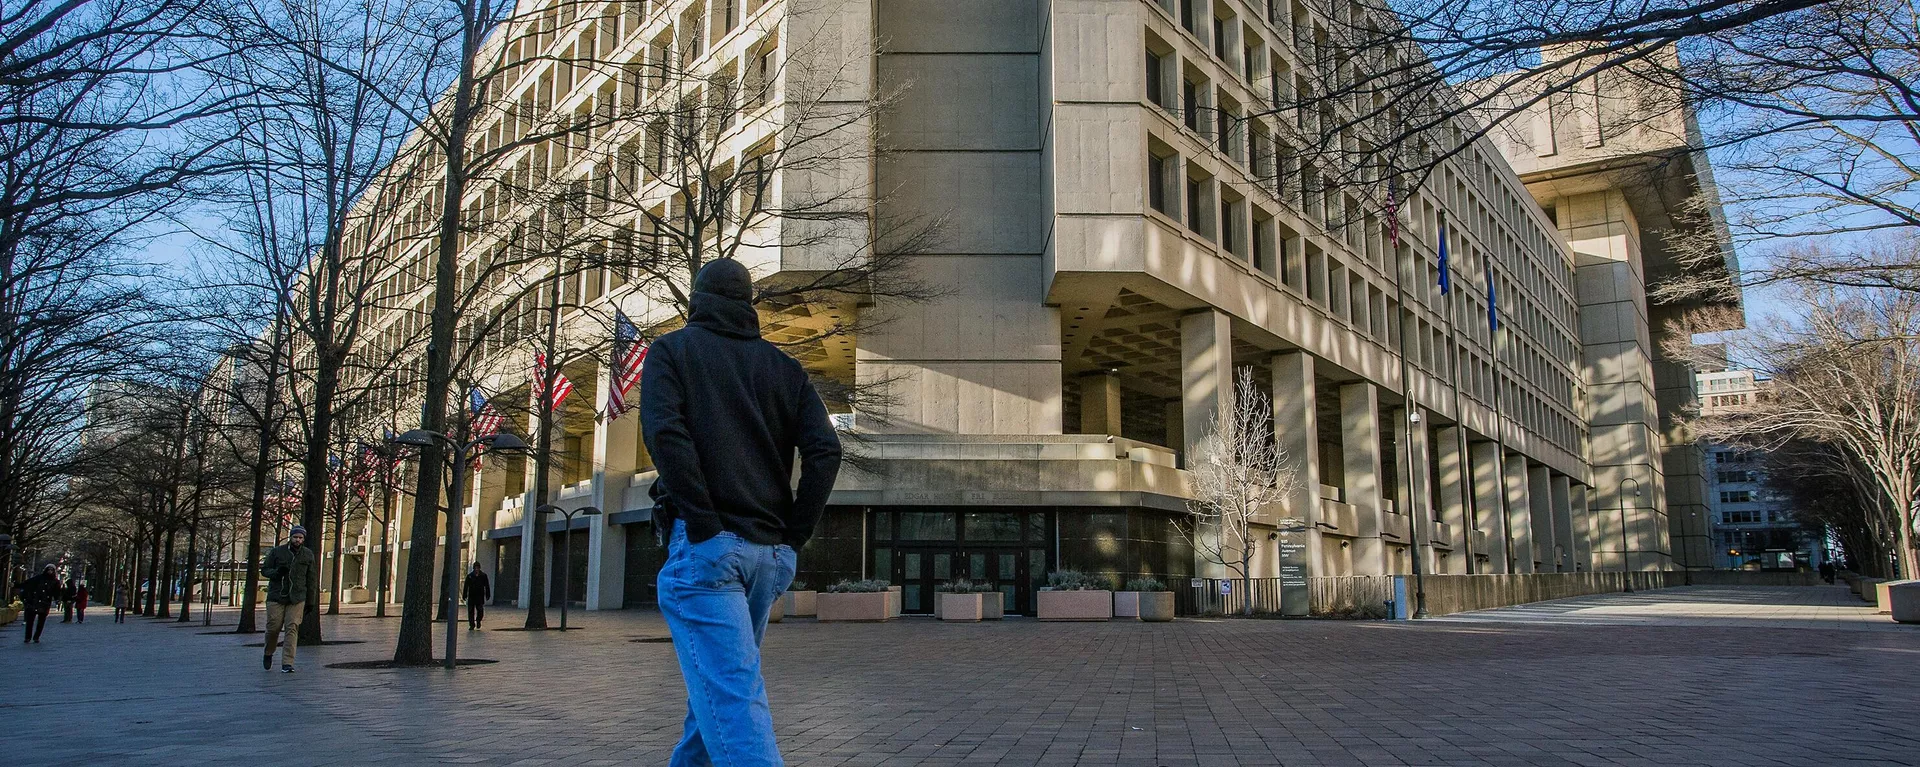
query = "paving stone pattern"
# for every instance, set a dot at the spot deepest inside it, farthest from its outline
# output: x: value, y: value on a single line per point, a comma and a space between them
x: 1707, y: 676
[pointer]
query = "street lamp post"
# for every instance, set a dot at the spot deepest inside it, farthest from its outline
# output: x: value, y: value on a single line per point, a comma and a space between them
x: 566, y: 552
x: 1626, y: 570
x: 456, y: 505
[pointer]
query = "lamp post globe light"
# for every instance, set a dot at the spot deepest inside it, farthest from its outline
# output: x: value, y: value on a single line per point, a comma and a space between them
x: 460, y: 453
x: 566, y: 552
x: 1626, y: 570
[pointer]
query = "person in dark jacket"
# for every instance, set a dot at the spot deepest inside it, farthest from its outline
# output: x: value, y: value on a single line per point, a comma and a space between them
x: 291, y: 573
x: 477, y: 591
x: 37, y: 596
x: 723, y: 413
x: 80, y: 595
x: 66, y: 600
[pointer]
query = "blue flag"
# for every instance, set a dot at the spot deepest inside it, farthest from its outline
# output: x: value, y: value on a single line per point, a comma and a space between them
x: 1493, y: 303
x: 1446, y: 272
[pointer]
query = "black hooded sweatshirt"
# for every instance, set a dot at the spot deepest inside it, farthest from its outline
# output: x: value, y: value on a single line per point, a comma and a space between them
x: 723, y: 411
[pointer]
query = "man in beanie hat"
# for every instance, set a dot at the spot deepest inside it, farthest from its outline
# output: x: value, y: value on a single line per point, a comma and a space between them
x: 723, y: 413
x: 290, y: 575
x: 37, y: 595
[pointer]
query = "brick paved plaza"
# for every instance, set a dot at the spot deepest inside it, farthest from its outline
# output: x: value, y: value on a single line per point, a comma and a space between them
x: 1676, y: 677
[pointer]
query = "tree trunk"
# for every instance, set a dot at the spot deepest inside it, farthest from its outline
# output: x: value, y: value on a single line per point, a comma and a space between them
x: 339, y: 564
x: 535, y: 544
x: 386, y: 553
x: 153, y: 575
x: 165, y: 584
x: 188, y: 576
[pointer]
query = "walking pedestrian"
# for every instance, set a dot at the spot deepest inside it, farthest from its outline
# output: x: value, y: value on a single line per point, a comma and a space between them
x: 477, y: 590
x: 290, y: 574
x: 37, y: 595
x: 723, y: 412
x: 1826, y: 572
x: 80, y: 595
x: 66, y: 600
x: 119, y: 603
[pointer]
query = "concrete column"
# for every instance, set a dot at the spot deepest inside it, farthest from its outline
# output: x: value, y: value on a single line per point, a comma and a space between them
x: 1617, y: 352
x: 1489, y: 504
x: 1206, y: 373
x: 1176, y: 430
x: 1297, y: 431
x: 615, y: 454
x: 1100, y: 403
x: 1519, y: 514
x: 1582, y: 529
x: 1454, y: 496
x: 1540, y: 498
x: 1562, y: 492
x: 1360, y: 438
x: 1421, y: 485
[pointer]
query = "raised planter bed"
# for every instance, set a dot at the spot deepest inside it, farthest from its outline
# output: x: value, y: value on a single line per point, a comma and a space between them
x: 963, y: 608
x: 801, y: 604
x: 856, y: 607
x: 1882, y: 600
x: 1090, y: 605
x: 778, y: 612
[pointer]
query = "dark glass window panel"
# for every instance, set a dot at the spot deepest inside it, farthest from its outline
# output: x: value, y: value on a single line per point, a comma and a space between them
x: 993, y: 526
x: 927, y: 526
x: 883, y: 526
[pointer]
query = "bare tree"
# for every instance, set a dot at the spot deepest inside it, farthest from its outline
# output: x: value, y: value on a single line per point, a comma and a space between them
x: 1846, y: 375
x: 1238, y: 475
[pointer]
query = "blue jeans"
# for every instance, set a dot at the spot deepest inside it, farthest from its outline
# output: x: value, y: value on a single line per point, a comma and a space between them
x: 715, y: 596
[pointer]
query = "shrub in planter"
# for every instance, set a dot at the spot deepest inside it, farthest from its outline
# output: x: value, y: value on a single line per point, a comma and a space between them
x: 1075, y: 596
x: 1145, y: 598
x: 800, y: 600
x: 965, y: 600
x: 869, y: 601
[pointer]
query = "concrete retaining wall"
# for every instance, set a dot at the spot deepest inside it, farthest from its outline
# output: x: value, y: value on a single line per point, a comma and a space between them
x: 1448, y: 594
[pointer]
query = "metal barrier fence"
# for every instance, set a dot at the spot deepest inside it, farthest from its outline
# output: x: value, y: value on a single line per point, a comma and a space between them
x: 1362, y: 596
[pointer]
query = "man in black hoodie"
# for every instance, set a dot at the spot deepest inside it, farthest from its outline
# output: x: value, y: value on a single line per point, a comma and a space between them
x: 723, y: 413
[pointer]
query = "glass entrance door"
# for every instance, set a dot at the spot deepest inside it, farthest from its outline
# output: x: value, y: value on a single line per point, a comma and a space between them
x: 919, y: 550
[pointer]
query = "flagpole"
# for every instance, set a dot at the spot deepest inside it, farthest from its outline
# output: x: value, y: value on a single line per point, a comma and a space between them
x: 1411, y: 405
x: 1499, y: 418
x: 1460, y: 420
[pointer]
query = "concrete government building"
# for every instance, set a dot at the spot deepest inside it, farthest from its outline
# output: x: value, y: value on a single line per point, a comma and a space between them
x: 1111, y: 253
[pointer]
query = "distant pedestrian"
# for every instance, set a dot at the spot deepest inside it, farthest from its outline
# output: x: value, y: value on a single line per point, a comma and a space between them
x: 1826, y: 572
x: 80, y: 595
x: 38, y: 595
x: 477, y: 591
x: 66, y: 600
x: 119, y: 602
x: 290, y: 575
x: 724, y: 412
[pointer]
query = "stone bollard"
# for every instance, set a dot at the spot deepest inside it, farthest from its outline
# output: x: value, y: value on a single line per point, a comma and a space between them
x: 1906, y: 601
x: 1881, y: 602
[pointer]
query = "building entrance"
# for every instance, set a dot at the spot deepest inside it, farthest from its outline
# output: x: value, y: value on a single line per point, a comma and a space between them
x: 920, y: 550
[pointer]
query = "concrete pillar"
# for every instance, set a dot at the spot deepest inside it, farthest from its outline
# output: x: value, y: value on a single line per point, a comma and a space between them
x: 1360, y: 439
x: 1297, y: 431
x: 1100, y: 403
x: 1176, y: 429
x: 1412, y: 495
x: 1422, y: 488
x: 1540, y: 497
x: 616, y: 448
x: 1519, y: 514
x: 1617, y: 352
x: 1206, y: 373
x: 1582, y: 529
x: 1489, y: 505
x: 1454, y: 510
x: 1562, y: 491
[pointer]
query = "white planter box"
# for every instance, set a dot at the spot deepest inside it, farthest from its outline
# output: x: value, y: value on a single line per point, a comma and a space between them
x: 1156, y: 606
x: 1126, y: 604
x: 966, y: 608
x: 893, y: 602
x: 1074, y: 605
x: 870, y: 607
x: 778, y: 612
x: 1906, y: 601
x: 800, y: 604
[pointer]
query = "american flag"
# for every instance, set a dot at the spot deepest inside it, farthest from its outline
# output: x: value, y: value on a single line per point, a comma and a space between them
x: 486, y: 420
x: 629, y: 354
x: 561, y: 385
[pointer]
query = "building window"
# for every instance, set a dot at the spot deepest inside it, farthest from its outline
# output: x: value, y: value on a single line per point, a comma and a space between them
x: 1736, y: 496
x: 1190, y: 96
x: 1263, y: 245
x: 1187, y: 15
x: 1160, y: 172
x: 1743, y: 517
